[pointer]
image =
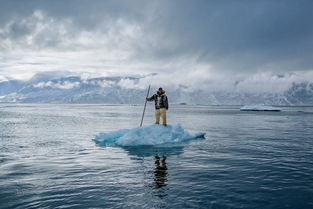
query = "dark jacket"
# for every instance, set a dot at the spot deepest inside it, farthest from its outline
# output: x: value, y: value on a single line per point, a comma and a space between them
x: 163, y: 101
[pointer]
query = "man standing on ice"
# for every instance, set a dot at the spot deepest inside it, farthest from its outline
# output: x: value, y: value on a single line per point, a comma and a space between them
x: 161, y: 105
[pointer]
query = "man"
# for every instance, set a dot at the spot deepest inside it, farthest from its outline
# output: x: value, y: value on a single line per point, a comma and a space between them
x: 161, y: 105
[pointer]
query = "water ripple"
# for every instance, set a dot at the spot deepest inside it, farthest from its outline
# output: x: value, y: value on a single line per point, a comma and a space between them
x: 248, y: 160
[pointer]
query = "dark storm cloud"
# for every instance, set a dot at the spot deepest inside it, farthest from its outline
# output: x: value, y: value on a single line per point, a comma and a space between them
x: 85, y: 13
x: 242, y: 34
x: 230, y: 34
x: 221, y: 37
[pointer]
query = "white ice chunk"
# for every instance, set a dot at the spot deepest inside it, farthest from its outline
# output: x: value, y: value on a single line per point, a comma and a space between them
x: 259, y: 108
x: 147, y: 135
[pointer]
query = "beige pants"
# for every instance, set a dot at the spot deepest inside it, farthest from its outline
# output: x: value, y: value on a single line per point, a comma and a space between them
x: 160, y: 113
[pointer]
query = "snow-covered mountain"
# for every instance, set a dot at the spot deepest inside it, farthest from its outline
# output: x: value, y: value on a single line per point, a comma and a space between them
x: 300, y: 94
x: 52, y: 88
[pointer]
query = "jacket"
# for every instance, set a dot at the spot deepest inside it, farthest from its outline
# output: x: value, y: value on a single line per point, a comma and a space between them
x: 159, y: 100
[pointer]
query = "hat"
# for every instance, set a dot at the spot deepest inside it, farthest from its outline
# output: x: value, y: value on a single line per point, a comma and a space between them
x: 160, y: 89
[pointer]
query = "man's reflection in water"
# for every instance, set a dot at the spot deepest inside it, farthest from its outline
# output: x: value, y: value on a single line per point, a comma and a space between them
x: 160, y: 171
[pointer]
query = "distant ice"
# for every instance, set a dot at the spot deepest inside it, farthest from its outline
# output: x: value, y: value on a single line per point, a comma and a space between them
x: 147, y: 135
x: 259, y: 108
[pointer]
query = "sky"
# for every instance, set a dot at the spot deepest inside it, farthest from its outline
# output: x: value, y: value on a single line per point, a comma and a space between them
x: 219, y: 45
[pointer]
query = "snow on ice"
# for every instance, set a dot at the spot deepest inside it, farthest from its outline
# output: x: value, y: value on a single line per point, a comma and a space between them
x: 259, y: 108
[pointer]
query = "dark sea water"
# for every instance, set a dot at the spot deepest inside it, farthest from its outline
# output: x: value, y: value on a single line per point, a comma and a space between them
x: 247, y: 160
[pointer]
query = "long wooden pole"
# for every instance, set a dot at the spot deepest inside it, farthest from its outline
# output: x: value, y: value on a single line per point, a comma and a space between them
x: 144, y: 109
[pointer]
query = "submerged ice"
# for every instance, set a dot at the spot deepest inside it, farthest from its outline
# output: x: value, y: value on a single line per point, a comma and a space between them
x: 147, y: 135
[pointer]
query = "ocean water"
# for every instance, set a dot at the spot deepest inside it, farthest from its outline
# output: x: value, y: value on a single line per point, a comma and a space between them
x: 48, y: 158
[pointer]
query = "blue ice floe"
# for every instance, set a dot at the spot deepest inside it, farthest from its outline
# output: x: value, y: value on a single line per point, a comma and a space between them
x: 147, y: 135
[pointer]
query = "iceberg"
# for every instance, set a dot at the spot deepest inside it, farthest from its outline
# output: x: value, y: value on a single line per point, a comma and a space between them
x: 259, y: 108
x: 147, y: 135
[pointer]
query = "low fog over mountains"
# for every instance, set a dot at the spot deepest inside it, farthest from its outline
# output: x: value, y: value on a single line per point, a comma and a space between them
x: 44, y: 88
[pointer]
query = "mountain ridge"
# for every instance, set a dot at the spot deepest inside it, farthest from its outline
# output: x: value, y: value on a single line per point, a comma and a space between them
x: 109, y: 90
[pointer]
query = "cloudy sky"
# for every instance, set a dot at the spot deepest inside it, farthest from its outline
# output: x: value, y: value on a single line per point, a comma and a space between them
x: 245, y: 45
